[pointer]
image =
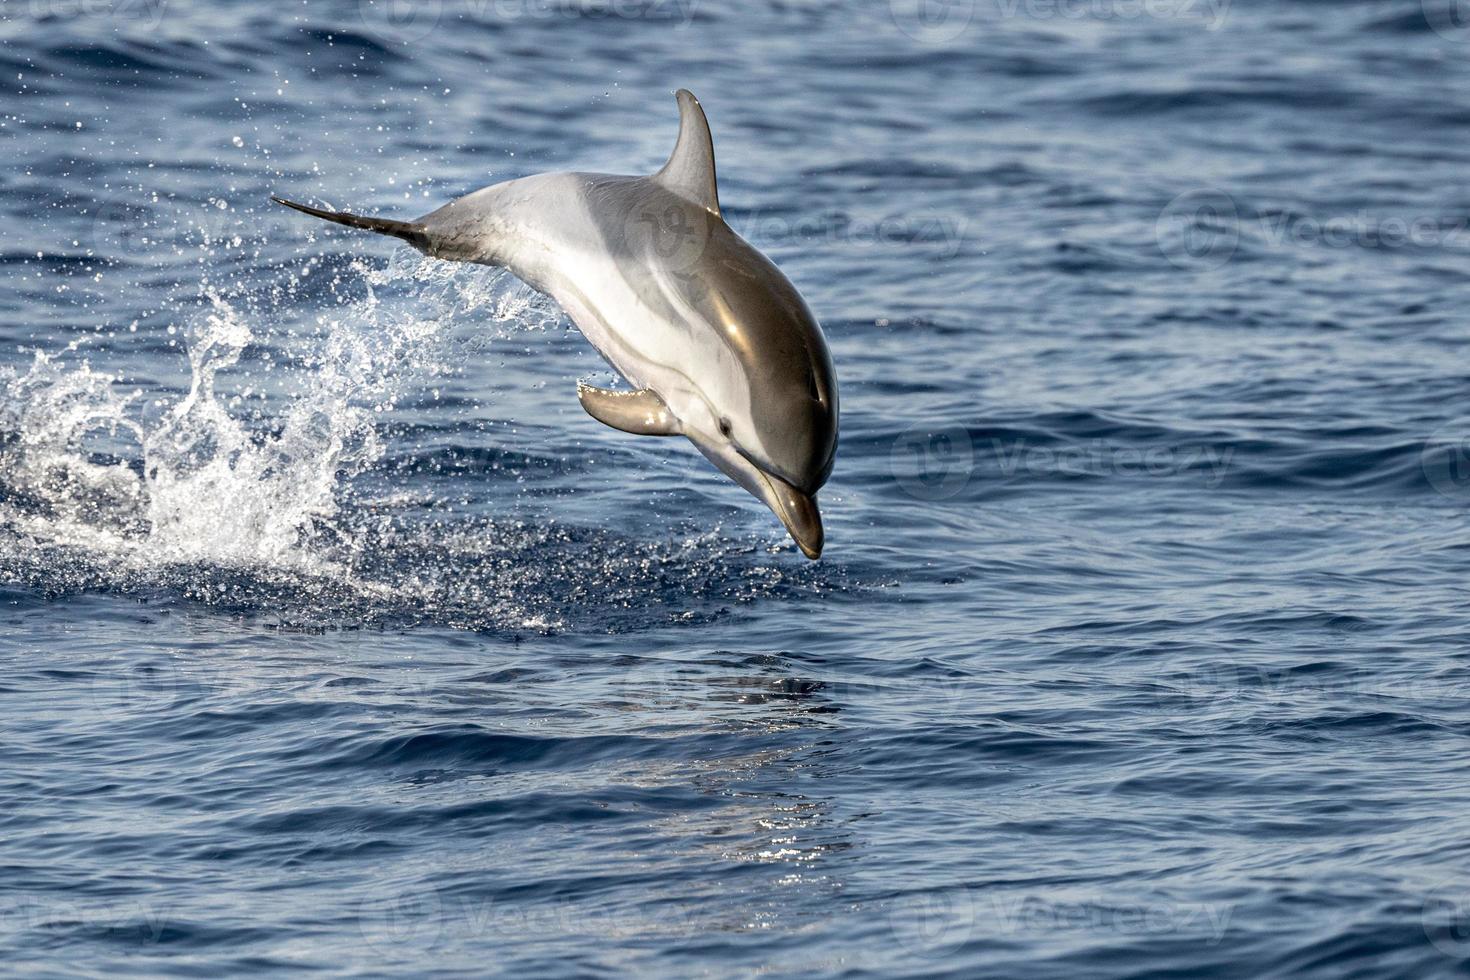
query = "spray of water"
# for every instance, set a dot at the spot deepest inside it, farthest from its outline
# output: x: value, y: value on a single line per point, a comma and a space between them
x: 241, y: 490
x: 209, y: 482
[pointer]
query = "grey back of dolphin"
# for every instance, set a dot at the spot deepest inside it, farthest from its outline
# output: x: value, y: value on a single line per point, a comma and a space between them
x: 718, y: 344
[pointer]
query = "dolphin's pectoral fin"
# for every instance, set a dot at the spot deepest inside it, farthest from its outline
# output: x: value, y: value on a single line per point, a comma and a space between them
x: 640, y: 412
x: 690, y: 172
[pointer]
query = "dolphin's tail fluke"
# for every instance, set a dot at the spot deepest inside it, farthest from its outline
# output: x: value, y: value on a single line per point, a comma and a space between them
x: 411, y: 232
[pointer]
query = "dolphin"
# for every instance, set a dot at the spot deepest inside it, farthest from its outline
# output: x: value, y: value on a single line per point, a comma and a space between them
x: 718, y: 345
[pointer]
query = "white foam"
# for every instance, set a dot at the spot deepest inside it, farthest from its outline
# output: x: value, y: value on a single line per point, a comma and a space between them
x: 219, y: 484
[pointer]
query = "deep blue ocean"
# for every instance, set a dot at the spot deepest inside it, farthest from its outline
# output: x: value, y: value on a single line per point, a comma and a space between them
x: 336, y: 638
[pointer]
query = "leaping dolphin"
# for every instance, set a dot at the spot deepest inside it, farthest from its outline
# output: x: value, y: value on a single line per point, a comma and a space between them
x: 716, y: 341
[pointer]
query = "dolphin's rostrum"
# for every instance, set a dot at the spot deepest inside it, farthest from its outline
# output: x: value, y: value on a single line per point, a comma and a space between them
x: 717, y: 343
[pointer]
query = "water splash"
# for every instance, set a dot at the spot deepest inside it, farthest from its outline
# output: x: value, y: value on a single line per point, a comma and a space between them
x: 218, y: 492
x: 242, y: 493
x: 209, y: 482
x: 58, y: 476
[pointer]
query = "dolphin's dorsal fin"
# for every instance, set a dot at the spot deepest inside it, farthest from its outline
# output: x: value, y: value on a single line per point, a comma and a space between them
x: 690, y: 172
x: 640, y: 412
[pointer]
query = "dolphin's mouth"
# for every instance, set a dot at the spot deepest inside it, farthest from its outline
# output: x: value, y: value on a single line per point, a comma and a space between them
x: 798, y: 511
x: 766, y: 469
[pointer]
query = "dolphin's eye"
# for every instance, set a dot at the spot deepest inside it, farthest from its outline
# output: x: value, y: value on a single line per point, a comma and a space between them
x: 725, y: 429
